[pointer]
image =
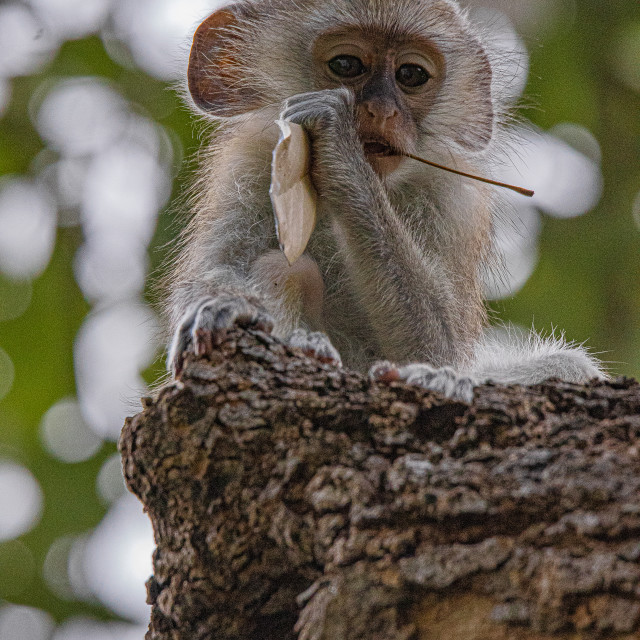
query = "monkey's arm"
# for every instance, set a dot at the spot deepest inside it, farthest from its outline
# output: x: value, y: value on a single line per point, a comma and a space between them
x: 531, y: 359
x: 527, y: 359
x: 404, y: 290
x: 218, y: 283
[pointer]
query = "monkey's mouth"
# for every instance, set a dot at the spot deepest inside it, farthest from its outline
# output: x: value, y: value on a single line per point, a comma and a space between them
x: 378, y: 149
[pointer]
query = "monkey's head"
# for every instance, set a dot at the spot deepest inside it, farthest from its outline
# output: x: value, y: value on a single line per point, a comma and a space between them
x: 419, y: 74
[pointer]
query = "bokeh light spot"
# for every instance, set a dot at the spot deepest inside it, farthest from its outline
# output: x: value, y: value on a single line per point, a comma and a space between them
x: 125, y: 188
x: 110, y: 269
x: 25, y: 623
x: 66, y: 435
x: 66, y: 178
x: 626, y: 55
x: 118, y: 559
x: 15, y: 298
x: 70, y: 19
x: 81, y: 116
x: 7, y: 375
x: 76, y: 569
x: 21, y: 500
x: 55, y: 569
x: 5, y: 95
x: 157, y: 31
x: 88, y: 629
x: 110, y: 484
x: 17, y: 569
x: 579, y: 138
x: 111, y: 349
x: 567, y: 183
x: 27, y: 228
x: 25, y: 47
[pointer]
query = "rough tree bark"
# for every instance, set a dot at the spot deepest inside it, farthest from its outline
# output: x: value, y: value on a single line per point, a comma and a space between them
x: 291, y: 499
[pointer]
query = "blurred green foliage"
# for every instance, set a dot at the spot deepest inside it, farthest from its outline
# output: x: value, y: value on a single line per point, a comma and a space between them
x: 588, y: 278
x: 587, y: 281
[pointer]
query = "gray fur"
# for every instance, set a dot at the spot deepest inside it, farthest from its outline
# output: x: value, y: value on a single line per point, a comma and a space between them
x: 401, y: 258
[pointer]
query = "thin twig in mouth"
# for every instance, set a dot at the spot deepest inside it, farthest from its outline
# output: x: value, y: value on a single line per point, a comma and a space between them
x: 522, y: 191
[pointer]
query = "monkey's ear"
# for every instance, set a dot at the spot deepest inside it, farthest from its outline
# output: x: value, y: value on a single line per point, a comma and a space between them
x: 217, y: 80
x: 477, y: 129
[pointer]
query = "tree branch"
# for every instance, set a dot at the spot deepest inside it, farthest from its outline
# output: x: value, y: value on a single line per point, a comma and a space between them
x: 291, y: 499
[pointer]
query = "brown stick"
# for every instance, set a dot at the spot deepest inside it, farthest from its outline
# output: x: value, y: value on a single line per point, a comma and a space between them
x: 520, y: 190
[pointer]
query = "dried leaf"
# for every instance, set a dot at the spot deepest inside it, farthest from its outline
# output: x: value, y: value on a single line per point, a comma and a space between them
x: 292, y: 193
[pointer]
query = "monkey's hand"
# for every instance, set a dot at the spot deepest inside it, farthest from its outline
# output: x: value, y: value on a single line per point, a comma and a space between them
x: 443, y: 380
x: 316, y: 344
x: 210, y: 315
x: 328, y: 116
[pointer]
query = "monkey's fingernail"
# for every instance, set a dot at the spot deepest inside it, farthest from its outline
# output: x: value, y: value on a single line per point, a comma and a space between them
x: 265, y: 327
x: 389, y: 376
x: 178, y: 366
x: 203, y: 343
x: 320, y: 357
x: 385, y: 372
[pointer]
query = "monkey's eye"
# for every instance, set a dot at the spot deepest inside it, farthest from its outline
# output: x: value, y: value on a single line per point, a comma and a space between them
x: 412, y: 75
x: 347, y: 66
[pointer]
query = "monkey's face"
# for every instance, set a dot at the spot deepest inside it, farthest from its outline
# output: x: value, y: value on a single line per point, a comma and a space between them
x: 395, y: 84
x: 421, y: 78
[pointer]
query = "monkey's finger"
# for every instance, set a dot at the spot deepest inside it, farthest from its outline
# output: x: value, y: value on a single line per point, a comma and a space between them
x: 198, y: 328
x: 203, y: 342
x: 443, y: 380
x: 340, y: 95
x: 317, y: 345
x: 384, y: 372
x: 180, y: 343
x: 223, y: 313
x: 318, y: 106
x: 266, y: 326
x: 176, y: 365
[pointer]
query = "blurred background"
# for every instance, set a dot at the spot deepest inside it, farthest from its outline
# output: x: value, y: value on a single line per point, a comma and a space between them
x: 93, y: 145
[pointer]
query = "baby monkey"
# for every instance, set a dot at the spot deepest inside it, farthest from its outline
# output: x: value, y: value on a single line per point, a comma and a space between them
x: 391, y: 280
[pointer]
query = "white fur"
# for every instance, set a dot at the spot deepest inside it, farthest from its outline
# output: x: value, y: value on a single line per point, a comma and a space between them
x: 509, y: 358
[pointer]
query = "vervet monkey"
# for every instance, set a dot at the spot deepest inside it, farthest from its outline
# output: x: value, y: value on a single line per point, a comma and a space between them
x: 393, y: 270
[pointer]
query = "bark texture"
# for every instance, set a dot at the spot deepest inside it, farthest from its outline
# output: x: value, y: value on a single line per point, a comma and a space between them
x: 293, y: 500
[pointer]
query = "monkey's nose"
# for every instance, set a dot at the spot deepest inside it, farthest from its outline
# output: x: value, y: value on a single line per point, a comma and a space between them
x: 381, y: 110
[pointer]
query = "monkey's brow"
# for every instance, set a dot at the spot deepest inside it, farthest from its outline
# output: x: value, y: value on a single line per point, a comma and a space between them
x: 373, y: 27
